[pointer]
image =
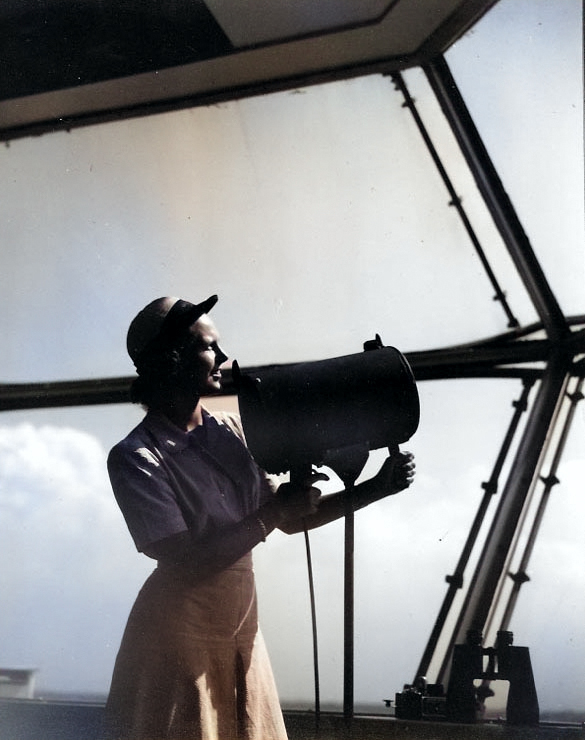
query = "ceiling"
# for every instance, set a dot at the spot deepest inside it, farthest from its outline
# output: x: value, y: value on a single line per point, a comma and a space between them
x: 69, y: 62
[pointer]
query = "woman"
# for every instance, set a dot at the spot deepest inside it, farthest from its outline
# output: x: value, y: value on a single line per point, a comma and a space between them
x: 192, y: 663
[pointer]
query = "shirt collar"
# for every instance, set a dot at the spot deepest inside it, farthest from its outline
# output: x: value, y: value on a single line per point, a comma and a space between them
x: 168, y: 435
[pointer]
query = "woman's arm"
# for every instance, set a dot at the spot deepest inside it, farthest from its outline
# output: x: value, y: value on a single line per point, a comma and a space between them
x: 395, y: 475
x: 293, y: 508
x: 202, y: 556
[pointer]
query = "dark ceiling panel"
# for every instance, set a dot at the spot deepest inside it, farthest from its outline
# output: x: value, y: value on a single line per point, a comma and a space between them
x: 62, y: 44
x: 66, y: 63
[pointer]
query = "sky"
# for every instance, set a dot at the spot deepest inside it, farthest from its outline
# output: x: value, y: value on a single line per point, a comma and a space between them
x: 319, y: 219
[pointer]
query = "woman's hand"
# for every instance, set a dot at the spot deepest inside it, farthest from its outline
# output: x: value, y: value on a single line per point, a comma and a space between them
x: 300, y: 499
x: 396, y: 474
x: 293, y: 502
x: 297, y: 506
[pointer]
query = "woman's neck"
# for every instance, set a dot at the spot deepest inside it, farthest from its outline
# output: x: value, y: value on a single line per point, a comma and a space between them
x: 184, y: 413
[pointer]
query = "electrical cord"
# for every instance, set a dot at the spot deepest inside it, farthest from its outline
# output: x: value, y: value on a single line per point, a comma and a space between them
x: 314, y: 630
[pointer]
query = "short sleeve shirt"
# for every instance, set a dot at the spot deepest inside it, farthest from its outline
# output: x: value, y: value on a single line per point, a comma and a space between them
x: 168, y: 481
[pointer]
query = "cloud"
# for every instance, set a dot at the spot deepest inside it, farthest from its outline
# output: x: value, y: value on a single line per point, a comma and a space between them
x: 65, y: 596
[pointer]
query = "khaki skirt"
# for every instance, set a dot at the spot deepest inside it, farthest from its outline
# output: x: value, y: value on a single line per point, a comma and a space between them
x: 193, y: 664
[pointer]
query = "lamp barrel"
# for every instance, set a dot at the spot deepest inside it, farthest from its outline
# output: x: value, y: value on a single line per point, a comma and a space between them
x: 294, y: 414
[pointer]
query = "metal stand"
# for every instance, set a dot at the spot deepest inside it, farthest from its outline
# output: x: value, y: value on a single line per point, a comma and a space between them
x: 348, y: 609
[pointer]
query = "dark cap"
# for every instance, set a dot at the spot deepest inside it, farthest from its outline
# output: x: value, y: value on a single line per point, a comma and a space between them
x: 162, y: 321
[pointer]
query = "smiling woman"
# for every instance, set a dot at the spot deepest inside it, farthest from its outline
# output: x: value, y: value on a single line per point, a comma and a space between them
x: 192, y: 661
x: 319, y: 217
x: 173, y: 344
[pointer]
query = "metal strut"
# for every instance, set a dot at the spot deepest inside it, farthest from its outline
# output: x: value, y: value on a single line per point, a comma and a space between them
x: 490, y: 487
x: 483, y: 592
x: 483, y: 587
x: 495, y: 197
x: 549, y: 481
x: 455, y: 201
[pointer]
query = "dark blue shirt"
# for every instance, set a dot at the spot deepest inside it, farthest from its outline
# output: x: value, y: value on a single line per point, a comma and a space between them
x: 167, y: 481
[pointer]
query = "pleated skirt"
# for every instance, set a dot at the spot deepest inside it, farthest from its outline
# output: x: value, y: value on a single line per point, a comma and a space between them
x: 192, y: 664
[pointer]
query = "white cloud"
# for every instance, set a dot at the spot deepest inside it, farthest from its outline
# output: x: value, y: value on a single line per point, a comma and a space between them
x: 65, y: 596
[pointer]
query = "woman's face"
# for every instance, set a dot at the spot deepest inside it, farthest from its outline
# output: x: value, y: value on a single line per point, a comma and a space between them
x: 203, y: 357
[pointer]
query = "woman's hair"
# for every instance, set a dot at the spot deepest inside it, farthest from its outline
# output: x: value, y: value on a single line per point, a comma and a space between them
x: 158, y: 372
